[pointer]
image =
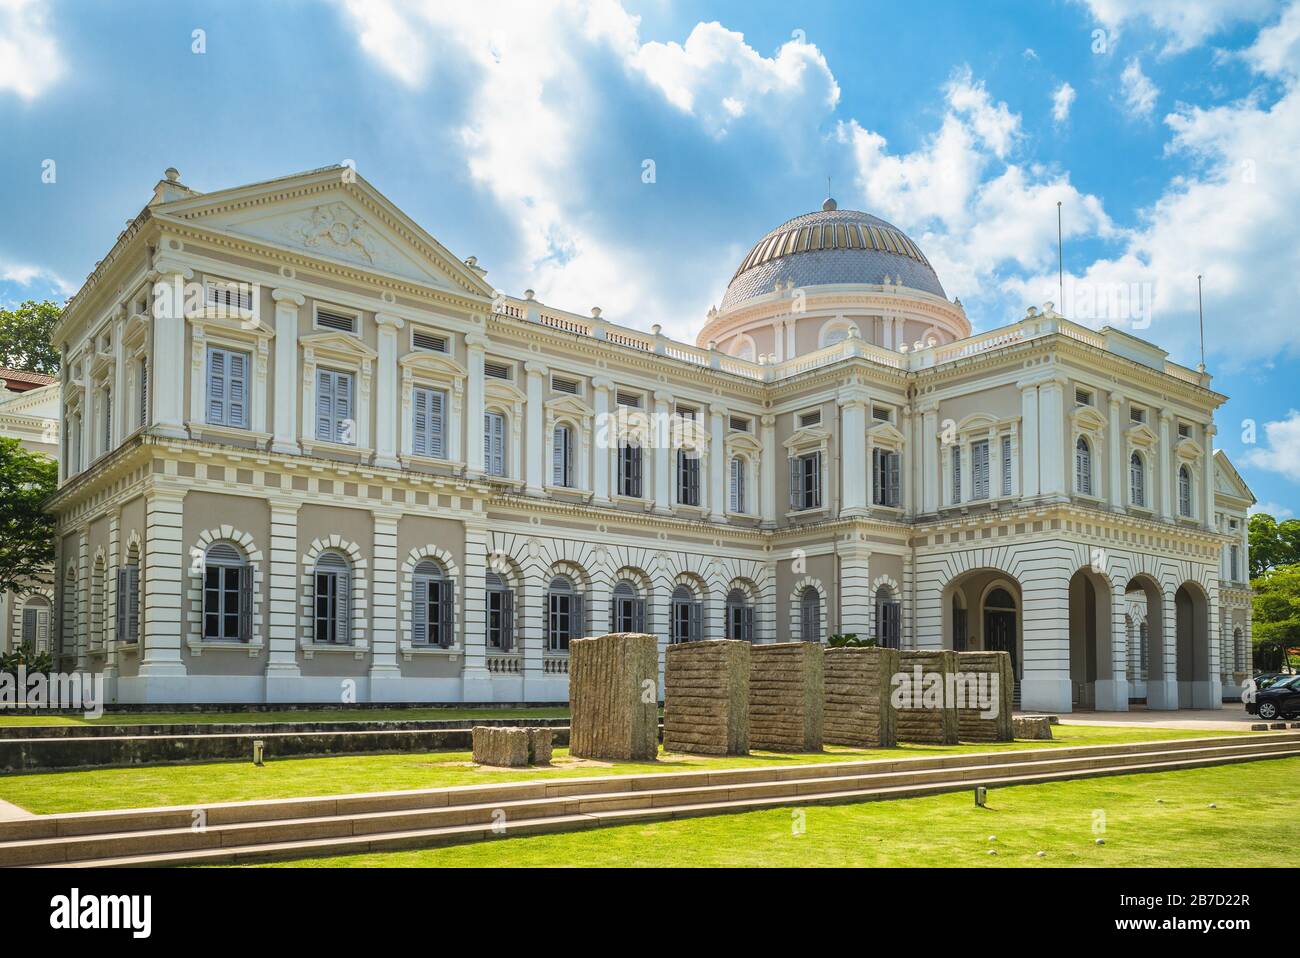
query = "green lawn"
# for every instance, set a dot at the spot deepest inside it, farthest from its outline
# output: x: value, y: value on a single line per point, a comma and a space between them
x: 203, y: 784
x: 301, y: 715
x: 1146, y: 820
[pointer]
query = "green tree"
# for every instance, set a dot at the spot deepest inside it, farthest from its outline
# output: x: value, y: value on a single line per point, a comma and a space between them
x: 1276, y: 614
x: 27, y: 479
x: 25, y: 337
x: 1272, y: 543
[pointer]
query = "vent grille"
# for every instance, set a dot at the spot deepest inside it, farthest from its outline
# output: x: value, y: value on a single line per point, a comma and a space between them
x: 343, y: 322
x: 630, y: 400
x: 230, y: 295
x: 428, y: 341
x: 498, y: 370
x: 739, y: 425
x: 813, y: 418
x: 562, y: 385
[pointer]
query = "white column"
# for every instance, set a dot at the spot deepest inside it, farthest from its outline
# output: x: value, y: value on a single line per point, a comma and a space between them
x: 605, y: 441
x: 164, y: 565
x: 1116, y: 454
x: 1051, y: 432
x: 663, y: 452
x: 167, y: 373
x: 282, y: 671
x: 907, y: 455
x: 1162, y: 689
x: 718, y: 465
x: 120, y: 426
x: 535, y: 440
x: 930, y: 478
x: 857, y: 481
x: 476, y: 681
x: 385, y: 674
x: 778, y: 339
x: 1168, y: 481
x: 767, y: 470
x: 284, y: 414
x: 475, y: 345
x: 1029, y: 445
x: 386, y: 391
x: 90, y: 407
x: 1207, y: 483
x: 855, y: 589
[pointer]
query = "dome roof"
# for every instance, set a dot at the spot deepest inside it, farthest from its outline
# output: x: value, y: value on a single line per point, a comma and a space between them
x: 831, y: 247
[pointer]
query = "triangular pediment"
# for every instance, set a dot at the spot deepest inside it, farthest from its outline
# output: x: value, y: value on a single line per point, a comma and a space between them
x: 1227, y: 480
x: 885, y: 432
x: 331, y: 214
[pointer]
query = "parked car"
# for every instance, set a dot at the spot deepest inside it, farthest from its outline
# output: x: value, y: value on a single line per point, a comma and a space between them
x: 1265, y: 679
x: 1279, y: 700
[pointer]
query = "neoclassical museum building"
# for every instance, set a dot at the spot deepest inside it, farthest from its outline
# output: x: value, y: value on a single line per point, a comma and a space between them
x: 311, y: 455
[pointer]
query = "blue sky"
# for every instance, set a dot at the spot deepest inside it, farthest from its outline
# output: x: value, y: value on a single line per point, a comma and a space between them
x: 520, y: 133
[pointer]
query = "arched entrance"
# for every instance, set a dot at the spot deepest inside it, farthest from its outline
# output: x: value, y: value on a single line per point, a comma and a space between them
x: 1094, y: 682
x: 982, y: 612
x: 1000, y: 616
x: 1198, y: 685
x: 1158, y: 682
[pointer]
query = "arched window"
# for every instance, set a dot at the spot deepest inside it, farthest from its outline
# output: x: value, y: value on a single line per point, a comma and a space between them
x: 128, y: 598
x: 1082, y: 467
x: 737, y: 497
x: 227, y: 594
x: 494, y: 443
x: 740, y: 616
x: 500, y: 613
x: 889, y: 619
x: 688, y: 614
x: 565, y: 614
x: 810, y: 615
x: 1184, y: 491
x: 333, y: 599
x: 562, y: 456
x: 627, y: 610
x: 36, y: 624
x: 1137, y: 480
x: 433, y: 606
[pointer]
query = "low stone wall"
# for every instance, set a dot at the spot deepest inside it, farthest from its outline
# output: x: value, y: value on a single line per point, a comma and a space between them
x: 102, y: 751
x: 786, y: 697
x: 500, y: 747
x: 973, y: 724
x: 264, y: 728
x: 858, y: 708
x: 931, y: 719
x: 614, y: 697
x: 706, y: 697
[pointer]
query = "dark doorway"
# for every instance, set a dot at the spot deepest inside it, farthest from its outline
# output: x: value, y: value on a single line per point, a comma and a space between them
x: 1000, y: 626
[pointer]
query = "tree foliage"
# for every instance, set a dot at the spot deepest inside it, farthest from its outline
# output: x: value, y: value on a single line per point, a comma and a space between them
x: 25, y: 337
x: 1276, y: 614
x: 27, y: 479
x: 1272, y: 543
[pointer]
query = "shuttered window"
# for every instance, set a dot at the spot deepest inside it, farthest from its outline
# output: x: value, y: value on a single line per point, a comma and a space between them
x: 128, y: 602
x: 1137, y: 481
x: 979, y: 455
x: 629, y: 470
x: 36, y: 628
x: 810, y: 615
x: 500, y: 614
x: 1082, y: 467
x: 688, y: 478
x: 144, y: 393
x: 562, y: 456
x: 227, y: 387
x: 565, y: 614
x: 1006, y: 465
x: 227, y: 594
x: 956, y: 475
x: 428, y: 422
x: 740, y: 616
x: 433, y: 606
x: 806, y: 481
x: 335, y: 407
x: 889, y: 618
x: 494, y: 443
x: 737, y: 503
x: 627, y: 611
x: 332, y: 599
x: 688, y: 616
x: 1184, y: 491
x: 885, y: 477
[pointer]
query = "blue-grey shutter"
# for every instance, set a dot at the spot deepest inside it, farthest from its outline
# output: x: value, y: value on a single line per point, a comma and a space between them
x: 324, y: 405
x: 638, y: 615
x: 507, y: 620
x: 344, y: 426
x: 217, y: 386
x: 980, y: 463
x: 747, y: 624
x: 119, y: 632
x: 133, y: 603
x: 437, y: 424
x: 817, y: 481
x: 246, y: 602
x: 697, y: 621
x: 420, y: 423
x: 343, y: 605
x: 1006, y: 465
x: 956, y: 474
x: 446, y: 612
x: 796, y: 496
x: 559, y: 456
x: 735, y: 485
x: 577, y: 616
x: 144, y: 392
x: 237, y: 390
x: 420, y: 609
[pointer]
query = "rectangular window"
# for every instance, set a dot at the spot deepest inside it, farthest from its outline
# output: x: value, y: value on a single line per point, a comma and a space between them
x: 494, y: 443
x: 882, y: 414
x: 335, y: 407
x: 337, y: 320
x: 807, y: 419
x: 739, y: 424
x: 500, y: 619
x: 1082, y: 397
x: 428, y: 341
x: 885, y: 474
x: 1137, y: 414
x: 562, y: 457
x: 1006, y: 465
x: 688, y: 479
x: 108, y: 419
x: 628, y: 400
x: 128, y: 603
x: 144, y: 393
x: 230, y: 295
x: 956, y: 475
x: 629, y: 471
x: 1234, y: 568
x: 498, y: 370
x: 806, y: 481
x: 563, y: 384
x: 737, y: 485
x: 228, y: 387
x: 428, y: 422
x: 1184, y: 431
x: 979, y: 454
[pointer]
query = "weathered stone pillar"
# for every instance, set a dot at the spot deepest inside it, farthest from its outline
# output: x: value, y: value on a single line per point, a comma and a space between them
x: 706, y: 697
x: 983, y: 697
x: 858, y: 710
x: 613, y: 697
x: 924, y: 712
x: 786, y: 697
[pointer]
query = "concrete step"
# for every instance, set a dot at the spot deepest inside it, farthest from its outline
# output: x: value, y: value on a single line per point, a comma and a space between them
x: 382, y: 841
x: 132, y: 833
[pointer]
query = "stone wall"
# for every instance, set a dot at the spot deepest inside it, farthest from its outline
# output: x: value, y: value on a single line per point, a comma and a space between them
x: 614, y: 697
x: 786, y: 697
x: 858, y: 707
x: 972, y: 724
x: 706, y: 697
x: 931, y: 719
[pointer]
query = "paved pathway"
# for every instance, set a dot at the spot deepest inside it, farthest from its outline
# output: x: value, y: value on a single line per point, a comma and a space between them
x: 1231, y: 716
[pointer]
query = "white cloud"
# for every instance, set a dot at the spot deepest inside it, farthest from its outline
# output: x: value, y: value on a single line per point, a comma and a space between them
x: 1187, y: 22
x: 25, y: 274
x: 1282, y: 452
x: 1274, y: 509
x: 1140, y: 94
x: 1062, y: 100
x: 29, y: 56
x: 528, y: 139
x: 1276, y: 50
